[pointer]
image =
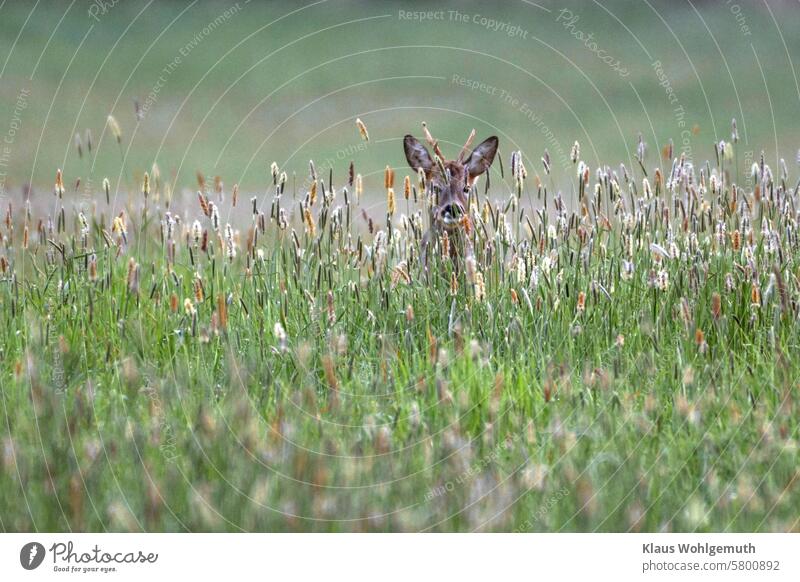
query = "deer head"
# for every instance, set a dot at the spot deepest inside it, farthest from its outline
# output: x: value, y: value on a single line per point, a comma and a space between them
x: 450, y: 180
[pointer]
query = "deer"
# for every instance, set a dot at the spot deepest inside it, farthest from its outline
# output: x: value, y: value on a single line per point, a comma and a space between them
x: 449, y: 181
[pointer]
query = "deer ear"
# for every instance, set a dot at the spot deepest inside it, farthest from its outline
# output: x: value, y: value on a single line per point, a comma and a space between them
x: 482, y: 157
x: 416, y: 154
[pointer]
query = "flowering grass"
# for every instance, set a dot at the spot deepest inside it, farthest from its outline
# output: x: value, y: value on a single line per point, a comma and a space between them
x: 620, y: 357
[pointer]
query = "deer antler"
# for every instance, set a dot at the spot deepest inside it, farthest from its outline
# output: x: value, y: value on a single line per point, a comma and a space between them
x: 432, y: 142
x: 465, y: 149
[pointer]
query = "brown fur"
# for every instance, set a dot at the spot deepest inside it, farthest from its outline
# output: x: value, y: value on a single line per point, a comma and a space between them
x: 449, y: 180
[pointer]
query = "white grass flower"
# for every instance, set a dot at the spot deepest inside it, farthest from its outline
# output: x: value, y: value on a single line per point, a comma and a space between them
x: 197, y: 232
x: 627, y: 270
x: 230, y: 246
x: 214, y: 213
x: 471, y: 268
x: 662, y: 280
x: 280, y: 336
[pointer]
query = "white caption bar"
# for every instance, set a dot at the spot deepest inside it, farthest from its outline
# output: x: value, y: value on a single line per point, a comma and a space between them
x: 401, y: 557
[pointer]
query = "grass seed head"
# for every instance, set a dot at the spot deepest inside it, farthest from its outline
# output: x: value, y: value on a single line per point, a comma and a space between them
x: 716, y: 305
x: 280, y: 337
x: 312, y: 194
x: 197, y: 232
x: 331, y: 309
x: 204, y: 204
x: 362, y: 129
x: 230, y: 243
x: 311, y: 226
x: 215, y: 224
x: 188, y: 307
x: 133, y: 276
x: 222, y: 311
x: 736, y: 241
x: 59, y: 187
x: 480, y: 288
x: 199, y: 292
x: 115, y: 129
x: 92, y: 268
x: 755, y: 295
x: 388, y: 178
x: 390, y: 202
x: 581, y: 305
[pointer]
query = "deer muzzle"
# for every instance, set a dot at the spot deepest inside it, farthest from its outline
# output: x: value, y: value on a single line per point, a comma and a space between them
x: 450, y: 215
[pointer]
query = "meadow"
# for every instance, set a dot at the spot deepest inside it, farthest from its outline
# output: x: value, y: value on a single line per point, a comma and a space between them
x: 627, y: 365
x: 198, y: 338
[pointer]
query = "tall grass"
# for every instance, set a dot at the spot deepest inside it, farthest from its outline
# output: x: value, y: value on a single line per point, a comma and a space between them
x: 620, y: 359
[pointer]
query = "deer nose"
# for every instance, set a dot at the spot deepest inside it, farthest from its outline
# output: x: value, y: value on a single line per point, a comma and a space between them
x: 451, y: 213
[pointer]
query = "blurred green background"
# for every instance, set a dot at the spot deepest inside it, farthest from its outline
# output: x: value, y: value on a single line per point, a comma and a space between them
x: 227, y: 87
